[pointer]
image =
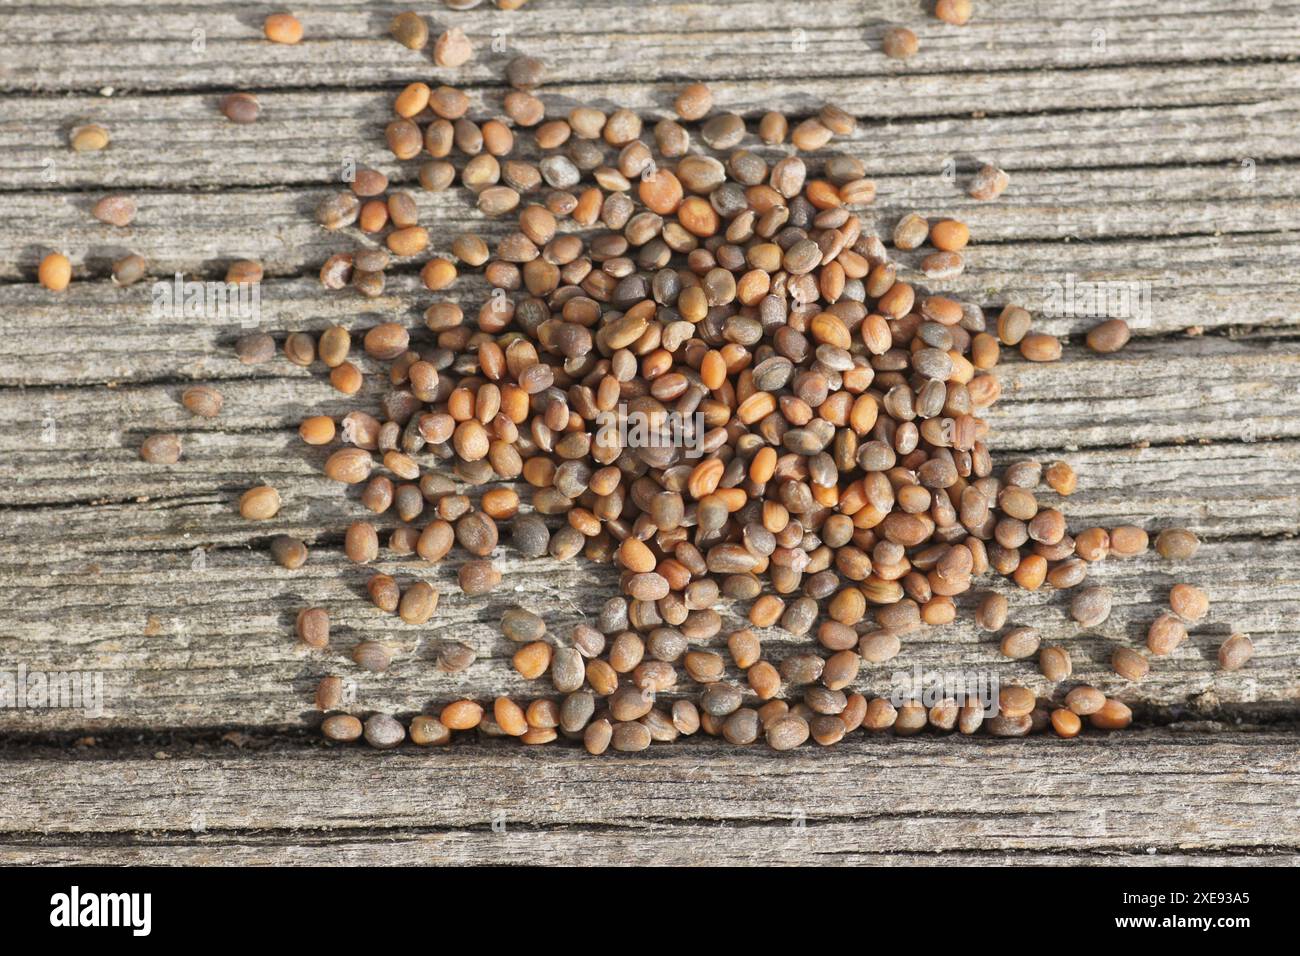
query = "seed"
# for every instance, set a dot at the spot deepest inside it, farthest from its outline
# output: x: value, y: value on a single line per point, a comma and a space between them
x: 1084, y: 700
x: 288, y: 552
x: 478, y: 577
x: 461, y: 715
x: 694, y: 102
x: 787, y: 733
x: 1165, y: 634
x: 410, y: 30
x: 880, y: 715
x: 522, y: 626
x: 1235, y: 652
x: 1066, y: 723
x: 1020, y: 643
x: 525, y: 73
x: 202, y: 400
x: 255, y: 348
x: 1091, y: 606
x: 1016, y: 701
x: 372, y: 656
x: 1055, y: 663
x: 899, y: 43
x: 429, y: 731
x: 630, y: 737
x: 341, y: 727
x: 596, y: 738
x: 452, y: 49
x: 1113, y: 715
x: 455, y: 657
x: 956, y: 12
x: 55, y: 272
x: 89, y: 138
x: 1037, y: 347
x: 1061, y: 478
x: 115, y: 210
x: 313, y: 627
x: 1110, y: 336
x: 1177, y: 544
x: 282, y: 28
x: 911, y: 231
x: 988, y: 184
x: 992, y: 612
x: 530, y: 536
x: 1127, y: 541
x: 329, y: 693
x: 1189, y: 602
x: 241, y: 107
x: 1129, y: 664
x: 384, y: 732
x: 129, y: 270
x: 162, y: 449
x: 260, y: 503
x: 349, y: 465
x: 418, y: 603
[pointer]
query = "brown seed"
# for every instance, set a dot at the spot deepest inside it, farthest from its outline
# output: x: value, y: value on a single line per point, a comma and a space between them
x: 452, y: 49
x: 1020, y: 643
x: 288, y: 552
x: 1066, y: 723
x: 329, y: 693
x: 1113, y: 715
x: 1055, y: 663
x: 1235, y: 652
x: 1091, y: 606
x: 241, y: 107
x: 429, y: 731
x: 202, y: 400
x: 115, y: 210
x: 1177, y: 544
x: 410, y: 30
x: 282, y: 28
x: 162, y: 449
x: 1189, y: 602
x: 455, y: 657
x: 341, y: 727
x: 89, y: 138
x: 1110, y: 336
x: 1016, y: 701
x: 313, y: 627
x: 1165, y: 634
x: 55, y: 272
x: 992, y: 612
x: 418, y: 603
x: 349, y: 465
x: 317, y: 430
x: 899, y: 43
x: 956, y: 12
x: 129, y: 270
x: 260, y: 503
x: 1127, y: 541
x: 1129, y: 664
x: 372, y: 656
x: 461, y: 715
x: 694, y: 102
x: 384, y: 732
x: 787, y: 733
x: 478, y: 577
x: 1084, y: 700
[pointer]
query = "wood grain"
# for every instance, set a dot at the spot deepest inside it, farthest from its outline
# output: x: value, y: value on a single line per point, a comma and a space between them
x: 1150, y: 147
x: 1133, y: 798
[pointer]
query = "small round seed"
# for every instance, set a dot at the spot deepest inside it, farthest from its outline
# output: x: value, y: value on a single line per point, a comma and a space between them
x: 1091, y: 606
x: 162, y: 449
x: 341, y: 727
x: 282, y: 28
x: 288, y: 552
x: 1189, y: 602
x: 1129, y: 664
x: 260, y: 503
x: 1177, y: 544
x: 384, y: 732
x: 1235, y: 652
x: 899, y: 43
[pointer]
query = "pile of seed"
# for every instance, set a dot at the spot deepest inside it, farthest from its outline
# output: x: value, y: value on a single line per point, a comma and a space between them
x: 845, y: 492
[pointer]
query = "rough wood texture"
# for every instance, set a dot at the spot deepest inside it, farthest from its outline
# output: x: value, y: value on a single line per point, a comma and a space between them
x: 1142, y: 797
x: 1152, y: 148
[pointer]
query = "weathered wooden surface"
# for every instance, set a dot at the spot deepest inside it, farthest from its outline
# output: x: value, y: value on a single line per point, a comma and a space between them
x: 1157, y: 148
x: 1142, y: 797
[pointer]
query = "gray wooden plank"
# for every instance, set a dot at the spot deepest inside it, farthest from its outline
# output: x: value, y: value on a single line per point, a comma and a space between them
x: 153, y: 46
x: 1134, y: 797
